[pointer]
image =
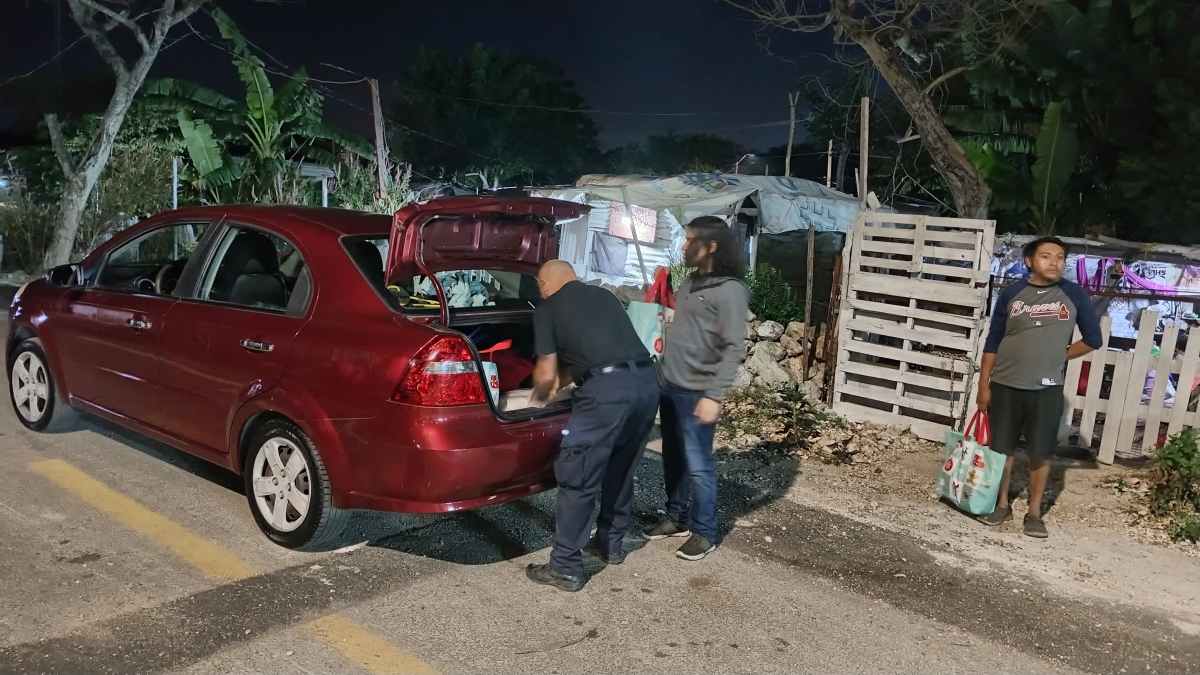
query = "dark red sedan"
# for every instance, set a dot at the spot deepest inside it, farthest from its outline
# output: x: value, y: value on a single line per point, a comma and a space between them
x: 337, y: 360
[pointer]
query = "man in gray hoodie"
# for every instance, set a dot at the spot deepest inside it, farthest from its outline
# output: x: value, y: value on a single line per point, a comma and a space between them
x: 704, y: 345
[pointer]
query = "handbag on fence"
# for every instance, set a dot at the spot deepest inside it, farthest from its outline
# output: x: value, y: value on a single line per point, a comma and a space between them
x: 971, y: 471
x: 649, y: 317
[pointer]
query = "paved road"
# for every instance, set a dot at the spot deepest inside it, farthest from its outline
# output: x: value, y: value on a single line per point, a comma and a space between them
x: 122, y: 555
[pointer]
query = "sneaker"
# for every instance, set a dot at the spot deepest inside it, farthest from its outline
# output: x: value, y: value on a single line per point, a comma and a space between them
x: 1034, y: 527
x: 695, y: 548
x: 998, y: 516
x: 667, y: 527
x: 545, y: 574
x: 595, y: 550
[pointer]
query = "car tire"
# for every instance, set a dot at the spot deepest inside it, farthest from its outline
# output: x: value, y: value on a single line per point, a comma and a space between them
x: 36, y: 398
x: 283, y: 465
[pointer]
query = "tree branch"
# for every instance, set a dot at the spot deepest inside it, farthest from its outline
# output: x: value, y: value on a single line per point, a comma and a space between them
x: 945, y: 76
x: 99, y: 38
x: 187, y: 10
x: 118, y: 18
x: 59, y: 143
x: 777, y: 14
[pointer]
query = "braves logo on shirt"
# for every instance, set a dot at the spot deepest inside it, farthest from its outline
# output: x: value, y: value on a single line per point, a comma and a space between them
x: 1047, y: 310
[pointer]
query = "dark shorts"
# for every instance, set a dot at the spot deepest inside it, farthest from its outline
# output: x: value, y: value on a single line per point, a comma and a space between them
x: 1032, y: 413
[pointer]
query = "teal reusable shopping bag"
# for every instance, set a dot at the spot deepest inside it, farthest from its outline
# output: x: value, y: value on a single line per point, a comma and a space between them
x: 971, y: 471
x: 647, y: 319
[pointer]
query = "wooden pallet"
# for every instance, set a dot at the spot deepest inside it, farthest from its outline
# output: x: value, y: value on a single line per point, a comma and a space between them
x: 912, y: 312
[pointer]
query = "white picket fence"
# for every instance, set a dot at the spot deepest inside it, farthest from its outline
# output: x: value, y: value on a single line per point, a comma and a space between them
x: 1140, y: 382
x: 1130, y: 402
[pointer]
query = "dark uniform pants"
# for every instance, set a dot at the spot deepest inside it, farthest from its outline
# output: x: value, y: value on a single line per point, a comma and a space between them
x: 612, y: 414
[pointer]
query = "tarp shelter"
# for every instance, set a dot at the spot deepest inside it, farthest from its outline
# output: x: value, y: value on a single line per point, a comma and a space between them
x: 1125, y: 277
x: 601, y: 245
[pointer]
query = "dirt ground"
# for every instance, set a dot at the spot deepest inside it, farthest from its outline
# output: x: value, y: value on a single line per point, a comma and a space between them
x: 1103, y: 544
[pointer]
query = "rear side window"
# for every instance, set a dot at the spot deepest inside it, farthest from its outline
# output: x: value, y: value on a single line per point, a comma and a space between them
x: 258, y: 270
x: 465, y: 289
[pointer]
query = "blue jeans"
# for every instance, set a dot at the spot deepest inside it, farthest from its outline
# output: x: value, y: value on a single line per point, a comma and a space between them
x: 688, y: 465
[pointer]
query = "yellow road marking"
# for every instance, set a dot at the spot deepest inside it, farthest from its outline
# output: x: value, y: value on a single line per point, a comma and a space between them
x: 366, y: 648
x: 354, y: 642
x: 213, y: 561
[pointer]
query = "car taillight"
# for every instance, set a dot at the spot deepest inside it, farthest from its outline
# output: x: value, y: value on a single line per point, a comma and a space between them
x: 443, y: 373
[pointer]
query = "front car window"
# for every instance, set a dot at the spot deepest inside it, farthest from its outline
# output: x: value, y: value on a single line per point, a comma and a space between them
x: 153, y: 262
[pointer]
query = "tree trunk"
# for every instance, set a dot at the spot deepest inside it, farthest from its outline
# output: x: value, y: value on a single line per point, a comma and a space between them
x: 74, y: 200
x: 968, y: 189
x: 82, y: 180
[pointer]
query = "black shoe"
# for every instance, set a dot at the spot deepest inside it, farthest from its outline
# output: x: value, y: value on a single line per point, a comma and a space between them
x: 997, y: 517
x: 545, y: 574
x: 667, y: 527
x: 597, y: 550
x: 696, y: 548
x: 1034, y: 527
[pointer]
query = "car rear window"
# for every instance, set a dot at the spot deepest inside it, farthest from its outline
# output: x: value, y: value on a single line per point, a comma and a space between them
x: 465, y: 289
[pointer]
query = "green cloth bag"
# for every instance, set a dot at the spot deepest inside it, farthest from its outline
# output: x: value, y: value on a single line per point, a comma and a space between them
x: 647, y: 319
x: 971, y: 471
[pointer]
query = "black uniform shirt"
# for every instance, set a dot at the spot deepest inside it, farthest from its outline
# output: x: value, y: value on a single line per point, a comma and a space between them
x: 587, y: 327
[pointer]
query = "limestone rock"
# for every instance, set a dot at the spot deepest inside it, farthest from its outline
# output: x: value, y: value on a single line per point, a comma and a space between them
x: 767, y: 370
x: 791, y: 345
x: 796, y: 330
x: 744, y: 378
x: 751, y: 332
x: 773, y: 350
x: 770, y: 330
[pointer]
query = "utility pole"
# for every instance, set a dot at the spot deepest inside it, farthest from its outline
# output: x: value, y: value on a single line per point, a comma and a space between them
x: 864, y: 130
x: 793, y: 97
x: 829, y: 165
x: 380, y: 144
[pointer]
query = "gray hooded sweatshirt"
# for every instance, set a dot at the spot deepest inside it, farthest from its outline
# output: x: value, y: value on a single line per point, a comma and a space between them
x: 705, y: 343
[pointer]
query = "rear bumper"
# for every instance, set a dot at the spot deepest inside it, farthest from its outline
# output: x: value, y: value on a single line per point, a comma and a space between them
x: 355, y: 500
x: 436, y: 460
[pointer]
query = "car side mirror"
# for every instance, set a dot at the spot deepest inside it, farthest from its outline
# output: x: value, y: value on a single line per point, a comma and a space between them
x: 63, y: 275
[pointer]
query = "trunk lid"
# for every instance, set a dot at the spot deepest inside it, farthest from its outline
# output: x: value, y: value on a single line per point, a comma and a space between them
x: 514, y: 234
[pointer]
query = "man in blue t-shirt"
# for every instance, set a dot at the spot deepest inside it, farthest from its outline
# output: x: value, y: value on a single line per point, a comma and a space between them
x: 1024, y: 359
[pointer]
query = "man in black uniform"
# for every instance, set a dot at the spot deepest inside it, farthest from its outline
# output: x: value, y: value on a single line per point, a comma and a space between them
x: 585, y: 329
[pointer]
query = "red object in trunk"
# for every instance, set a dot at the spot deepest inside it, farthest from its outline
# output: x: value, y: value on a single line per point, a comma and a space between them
x: 513, y: 367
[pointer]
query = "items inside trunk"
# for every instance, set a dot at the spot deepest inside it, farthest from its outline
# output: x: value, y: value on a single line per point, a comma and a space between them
x: 510, y: 346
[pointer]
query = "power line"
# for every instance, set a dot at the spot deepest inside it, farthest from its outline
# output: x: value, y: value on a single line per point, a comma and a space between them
x: 216, y: 45
x: 45, y: 63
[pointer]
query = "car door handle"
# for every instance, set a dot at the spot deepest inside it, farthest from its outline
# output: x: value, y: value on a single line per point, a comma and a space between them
x: 257, y: 346
x: 138, y: 324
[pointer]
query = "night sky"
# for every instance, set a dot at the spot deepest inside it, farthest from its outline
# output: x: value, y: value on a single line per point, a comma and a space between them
x: 643, y: 56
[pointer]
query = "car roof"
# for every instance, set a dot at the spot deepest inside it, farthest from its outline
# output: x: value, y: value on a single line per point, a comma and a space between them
x: 339, y: 221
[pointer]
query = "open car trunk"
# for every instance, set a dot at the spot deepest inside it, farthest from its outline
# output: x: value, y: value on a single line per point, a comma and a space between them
x: 512, y: 333
x: 496, y: 246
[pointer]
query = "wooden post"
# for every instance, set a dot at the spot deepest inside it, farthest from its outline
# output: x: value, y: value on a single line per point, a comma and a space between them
x: 832, y: 319
x: 829, y: 165
x: 864, y: 131
x: 809, y: 334
x: 637, y: 246
x: 380, y: 143
x: 793, y: 97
